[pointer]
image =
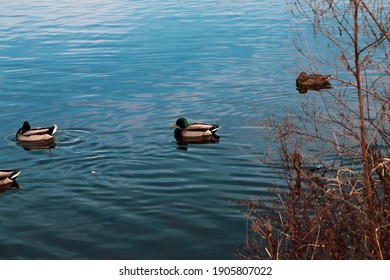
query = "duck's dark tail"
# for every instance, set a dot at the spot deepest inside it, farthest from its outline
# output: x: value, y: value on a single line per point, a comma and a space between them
x: 52, y: 130
x: 15, y: 174
x: 214, y: 128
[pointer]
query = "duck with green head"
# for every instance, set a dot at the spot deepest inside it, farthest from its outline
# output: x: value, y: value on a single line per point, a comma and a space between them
x: 39, y: 134
x: 194, y: 132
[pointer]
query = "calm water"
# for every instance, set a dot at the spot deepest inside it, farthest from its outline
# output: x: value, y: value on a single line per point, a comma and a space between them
x: 114, y: 75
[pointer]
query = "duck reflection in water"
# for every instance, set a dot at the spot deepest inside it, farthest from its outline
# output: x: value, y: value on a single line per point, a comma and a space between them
x: 314, y: 82
x: 194, y: 133
x: 304, y: 89
x: 36, y: 138
x: 42, y: 145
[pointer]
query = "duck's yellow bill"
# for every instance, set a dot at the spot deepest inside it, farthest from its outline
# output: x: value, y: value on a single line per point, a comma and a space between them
x: 173, y: 126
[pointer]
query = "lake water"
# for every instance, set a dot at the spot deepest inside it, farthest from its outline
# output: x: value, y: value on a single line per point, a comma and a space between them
x: 114, y: 75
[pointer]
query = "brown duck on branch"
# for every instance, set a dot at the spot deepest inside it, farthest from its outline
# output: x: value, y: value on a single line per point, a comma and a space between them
x: 306, y: 82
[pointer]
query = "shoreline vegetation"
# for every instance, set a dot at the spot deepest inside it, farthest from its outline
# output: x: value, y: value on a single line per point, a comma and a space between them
x: 335, y: 154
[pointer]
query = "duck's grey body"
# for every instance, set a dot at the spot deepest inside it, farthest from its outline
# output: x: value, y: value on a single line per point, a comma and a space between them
x: 40, y: 134
x: 195, y: 132
x: 8, y: 177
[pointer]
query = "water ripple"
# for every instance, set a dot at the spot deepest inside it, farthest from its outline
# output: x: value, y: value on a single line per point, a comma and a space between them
x: 114, y: 76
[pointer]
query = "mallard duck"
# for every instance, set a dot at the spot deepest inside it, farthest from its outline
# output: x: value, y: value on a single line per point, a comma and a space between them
x: 194, y: 132
x: 40, y: 134
x: 7, y: 177
x: 312, y: 80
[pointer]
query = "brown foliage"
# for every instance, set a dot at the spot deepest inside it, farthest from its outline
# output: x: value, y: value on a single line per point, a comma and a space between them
x: 322, y: 215
x: 335, y: 157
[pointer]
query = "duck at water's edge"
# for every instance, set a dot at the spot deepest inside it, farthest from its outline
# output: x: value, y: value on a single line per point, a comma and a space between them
x: 312, y: 80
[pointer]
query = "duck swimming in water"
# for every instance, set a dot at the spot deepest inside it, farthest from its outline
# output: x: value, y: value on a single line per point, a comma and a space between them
x: 195, y: 132
x: 7, y: 177
x: 312, y: 80
x: 31, y: 135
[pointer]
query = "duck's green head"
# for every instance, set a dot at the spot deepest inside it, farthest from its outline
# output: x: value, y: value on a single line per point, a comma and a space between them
x: 26, y: 127
x: 181, y: 122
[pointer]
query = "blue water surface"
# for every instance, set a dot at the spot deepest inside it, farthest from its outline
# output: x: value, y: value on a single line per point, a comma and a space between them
x: 114, y: 75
